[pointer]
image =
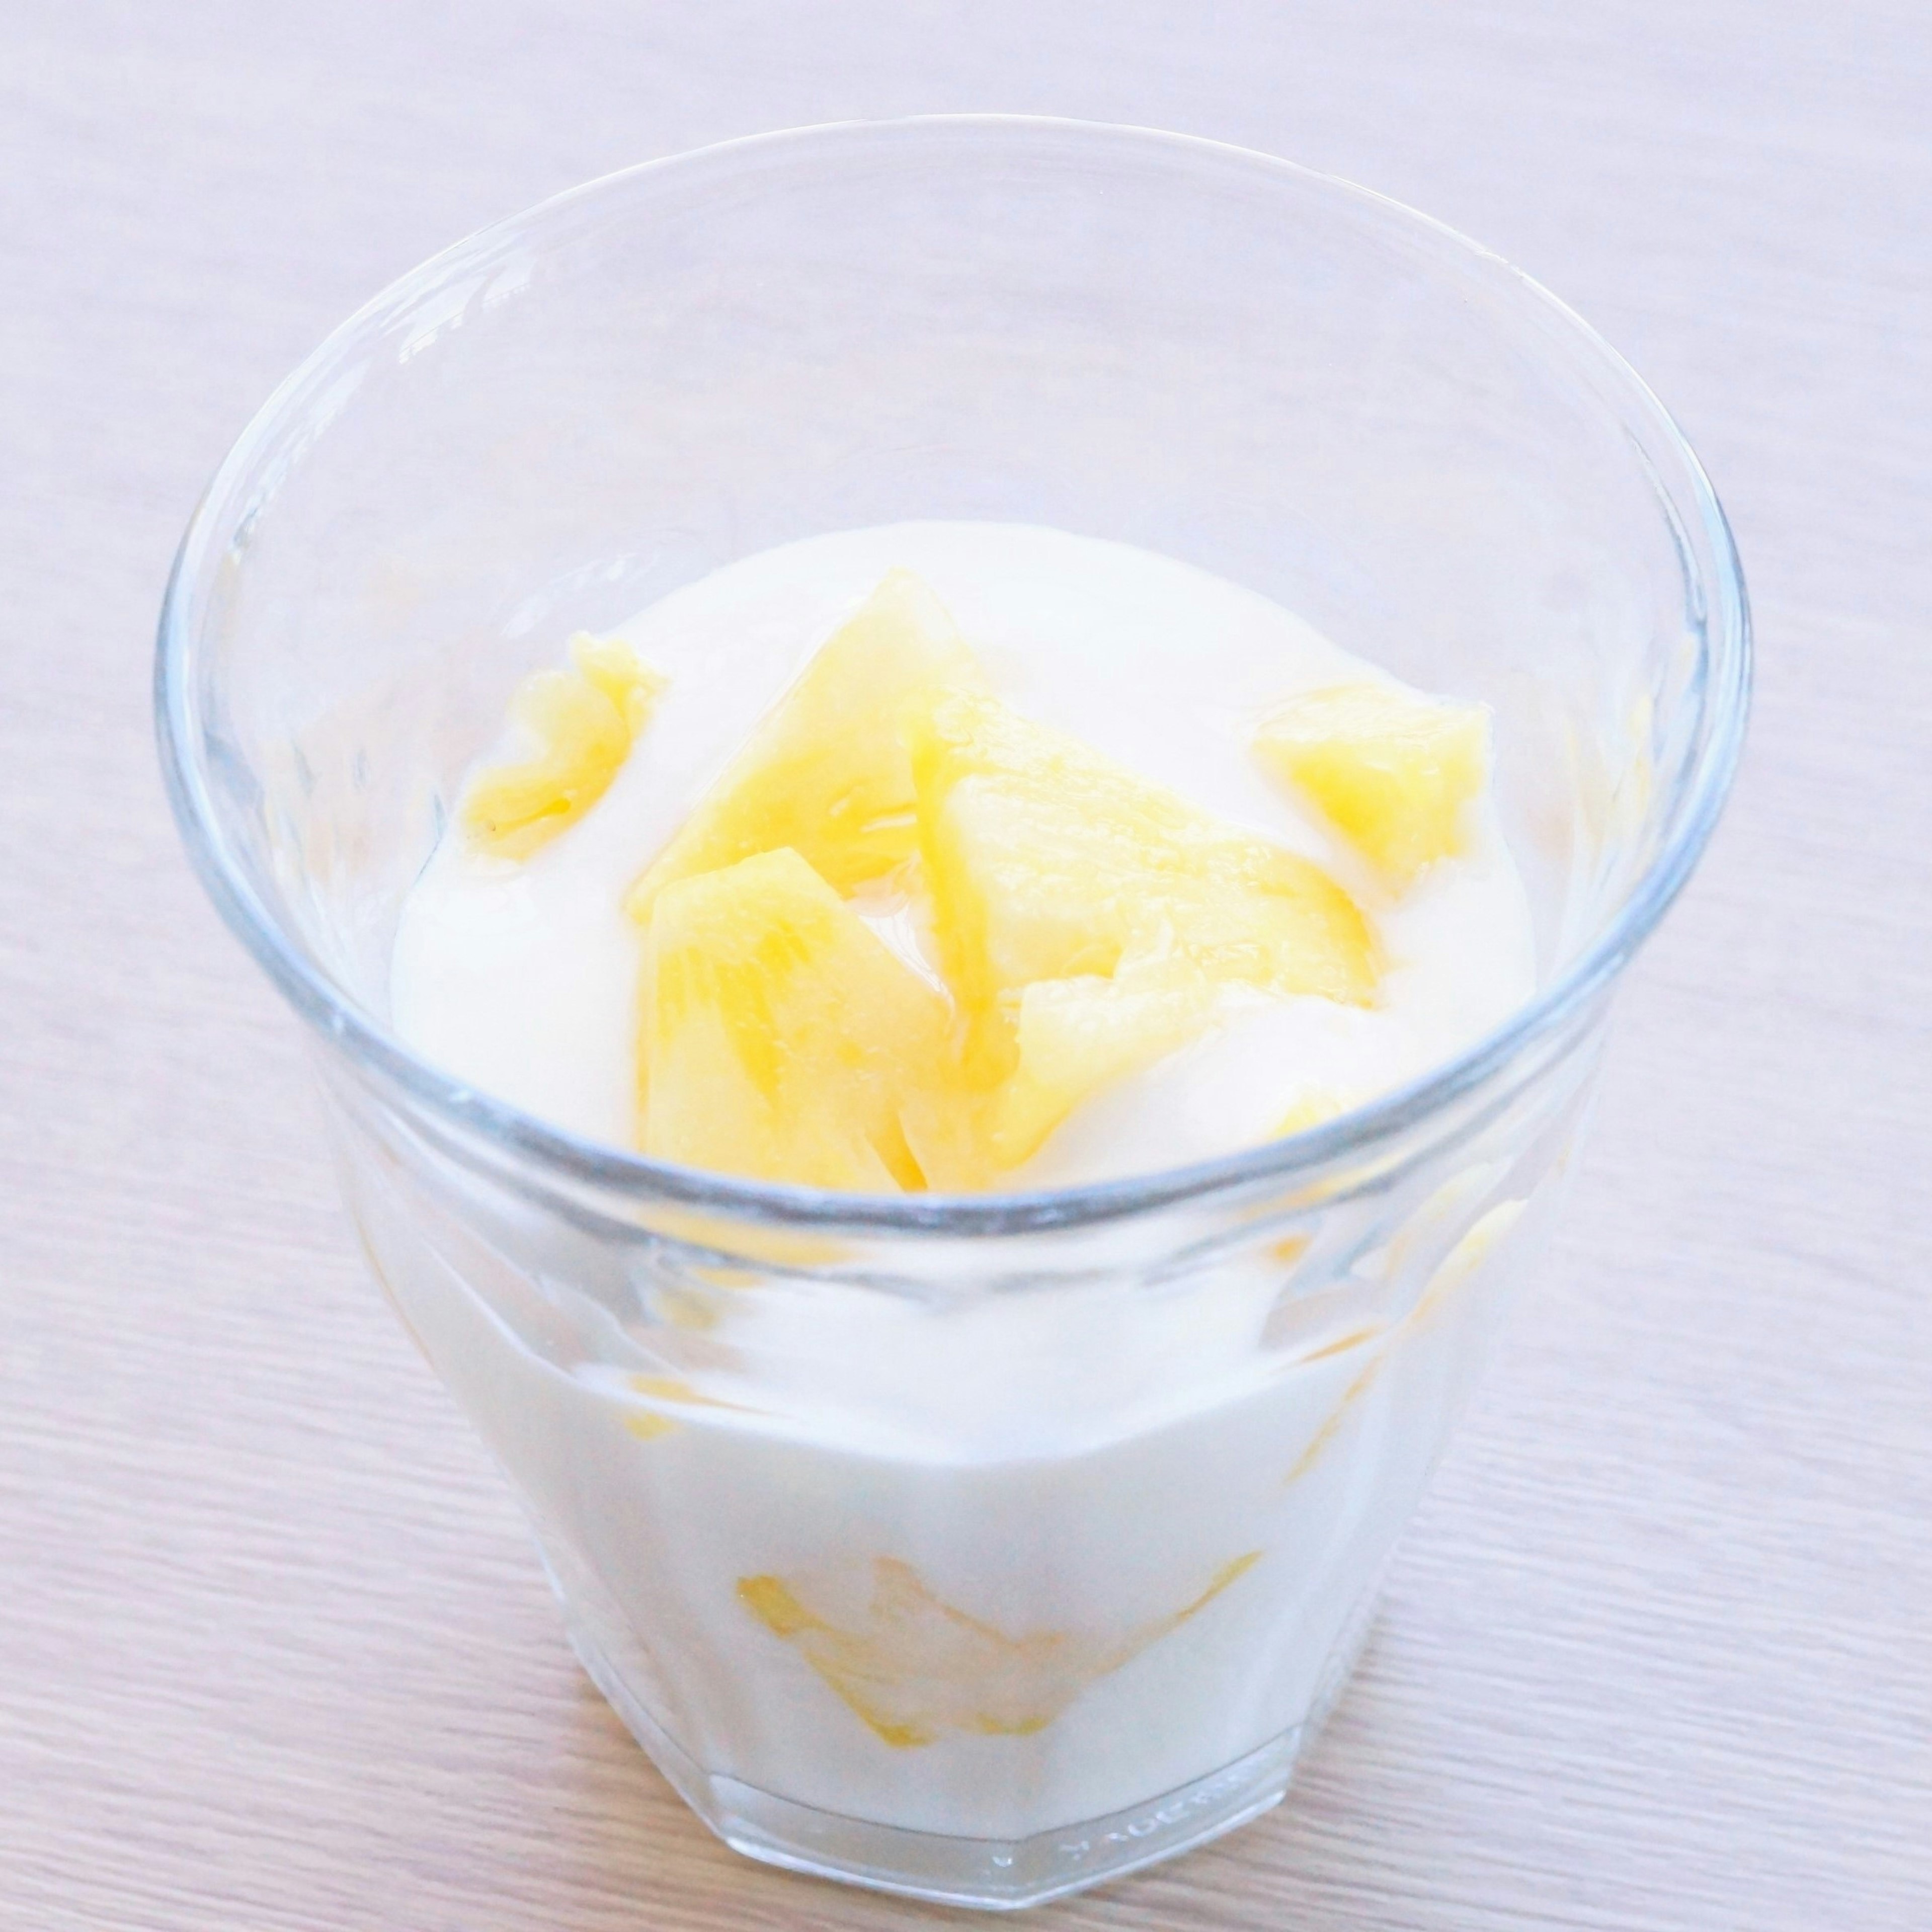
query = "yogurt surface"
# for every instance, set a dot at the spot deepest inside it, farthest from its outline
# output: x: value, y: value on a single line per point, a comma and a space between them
x: 520, y: 976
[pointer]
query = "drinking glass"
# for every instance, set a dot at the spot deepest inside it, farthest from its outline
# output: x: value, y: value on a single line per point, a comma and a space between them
x: 975, y: 1548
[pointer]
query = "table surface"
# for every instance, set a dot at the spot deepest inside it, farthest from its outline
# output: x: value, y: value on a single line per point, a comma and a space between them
x: 273, y: 1651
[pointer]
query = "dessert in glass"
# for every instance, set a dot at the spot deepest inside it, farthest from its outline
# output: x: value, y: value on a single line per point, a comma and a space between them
x: 956, y: 803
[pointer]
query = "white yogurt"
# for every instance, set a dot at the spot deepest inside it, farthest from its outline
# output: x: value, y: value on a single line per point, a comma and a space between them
x: 982, y: 1564
x: 520, y: 976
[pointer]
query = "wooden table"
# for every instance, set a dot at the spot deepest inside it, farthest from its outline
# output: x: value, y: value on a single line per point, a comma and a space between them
x: 274, y: 1655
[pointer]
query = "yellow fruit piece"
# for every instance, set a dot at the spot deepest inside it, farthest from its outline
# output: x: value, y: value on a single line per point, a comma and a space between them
x: 827, y: 773
x: 1073, y: 1036
x: 914, y: 1667
x: 1090, y: 922
x: 609, y: 665
x: 1392, y: 771
x: 1066, y: 1038
x: 583, y: 722
x: 1046, y: 861
x: 777, y: 1038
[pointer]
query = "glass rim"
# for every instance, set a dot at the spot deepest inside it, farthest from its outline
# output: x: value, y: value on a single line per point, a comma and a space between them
x: 1721, y: 694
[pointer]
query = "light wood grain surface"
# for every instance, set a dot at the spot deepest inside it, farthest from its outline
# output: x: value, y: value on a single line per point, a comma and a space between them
x: 273, y: 1653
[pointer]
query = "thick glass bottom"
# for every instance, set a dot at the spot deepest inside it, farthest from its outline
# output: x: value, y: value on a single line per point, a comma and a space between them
x: 991, y: 1874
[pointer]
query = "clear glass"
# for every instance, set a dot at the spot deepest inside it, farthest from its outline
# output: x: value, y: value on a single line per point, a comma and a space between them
x: 976, y: 1549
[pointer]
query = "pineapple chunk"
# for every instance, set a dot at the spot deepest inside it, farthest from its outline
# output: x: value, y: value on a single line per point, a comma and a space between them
x: 913, y: 1668
x: 1067, y: 1039
x: 825, y: 772
x: 610, y: 665
x: 1073, y: 1036
x: 1090, y: 923
x: 1046, y: 861
x: 777, y: 1038
x: 1392, y: 771
x: 584, y: 721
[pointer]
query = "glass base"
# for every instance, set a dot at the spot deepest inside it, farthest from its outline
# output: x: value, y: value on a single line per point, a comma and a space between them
x: 996, y: 1875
